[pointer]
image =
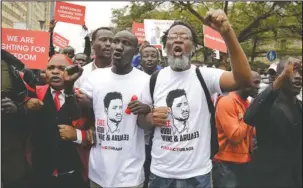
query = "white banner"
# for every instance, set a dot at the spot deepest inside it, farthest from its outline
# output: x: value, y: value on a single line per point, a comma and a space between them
x: 154, y: 30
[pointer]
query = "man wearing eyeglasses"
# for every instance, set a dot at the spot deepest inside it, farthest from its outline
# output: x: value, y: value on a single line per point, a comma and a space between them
x: 184, y: 160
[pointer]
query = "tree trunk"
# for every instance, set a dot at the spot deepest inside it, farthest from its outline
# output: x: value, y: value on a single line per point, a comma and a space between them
x: 225, y: 7
x: 253, y: 51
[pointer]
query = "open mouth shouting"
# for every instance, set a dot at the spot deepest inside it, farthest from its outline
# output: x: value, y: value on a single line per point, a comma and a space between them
x: 55, y: 79
x: 177, y: 51
x: 117, y: 55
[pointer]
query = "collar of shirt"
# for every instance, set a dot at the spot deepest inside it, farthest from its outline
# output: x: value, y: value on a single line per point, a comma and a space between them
x: 61, y: 96
x: 94, y: 66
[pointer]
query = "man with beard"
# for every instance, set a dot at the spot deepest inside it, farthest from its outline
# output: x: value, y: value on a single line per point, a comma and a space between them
x: 118, y: 157
x: 235, y: 137
x: 171, y: 153
x: 114, y: 109
x: 101, y: 42
x: 177, y: 101
x: 277, y: 115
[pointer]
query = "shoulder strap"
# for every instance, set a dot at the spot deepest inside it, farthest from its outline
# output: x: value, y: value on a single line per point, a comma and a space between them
x: 211, y: 108
x: 210, y: 104
x: 152, y: 84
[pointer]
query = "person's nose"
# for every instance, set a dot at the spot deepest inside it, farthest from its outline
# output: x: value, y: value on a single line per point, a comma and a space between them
x: 179, y: 40
x: 56, y: 71
x: 119, y: 47
x: 108, y: 43
x: 149, y: 58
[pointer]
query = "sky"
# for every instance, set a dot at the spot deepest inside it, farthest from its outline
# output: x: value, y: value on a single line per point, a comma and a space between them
x: 97, y: 14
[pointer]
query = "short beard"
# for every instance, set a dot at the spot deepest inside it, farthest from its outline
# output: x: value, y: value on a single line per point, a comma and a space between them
x: 179, y: 63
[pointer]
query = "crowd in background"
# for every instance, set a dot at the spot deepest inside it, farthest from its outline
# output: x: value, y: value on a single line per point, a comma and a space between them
x: 120, y: 118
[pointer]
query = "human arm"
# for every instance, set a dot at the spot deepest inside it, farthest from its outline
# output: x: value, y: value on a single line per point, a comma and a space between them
x: 87, y: 45
x: 240, y: 76
x: 227, y: 117
x: 52, y: 25
x: 260, y: 108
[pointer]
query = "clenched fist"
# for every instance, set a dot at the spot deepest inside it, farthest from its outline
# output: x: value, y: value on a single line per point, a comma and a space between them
x: 8, y: 106
x: 159, y: 116
x: 67, y: 133
x: 291, y: 67
x: 33, y: 104
x: 217, y: 20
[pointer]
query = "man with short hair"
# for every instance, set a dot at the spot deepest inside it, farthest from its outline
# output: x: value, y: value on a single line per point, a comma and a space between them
x: 55, y: 160
x: 69, y: 52
x: 183, y: 160
x: 80, y: 59
x: 149, y: 63
x: 235, y: 137
x: 118, y: 157
x: 149, y: 59
x: 277, y: 115
x: 101, y: 43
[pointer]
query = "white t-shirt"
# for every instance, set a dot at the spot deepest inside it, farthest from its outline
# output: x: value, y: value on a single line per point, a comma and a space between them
x: 182, y: 149
x: 87, y: 69
x: 118, y: 157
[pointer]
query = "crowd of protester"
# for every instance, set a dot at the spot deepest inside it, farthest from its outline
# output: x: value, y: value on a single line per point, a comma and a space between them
x: 120, y: 119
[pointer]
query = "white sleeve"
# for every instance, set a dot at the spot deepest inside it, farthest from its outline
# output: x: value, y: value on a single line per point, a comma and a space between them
x: 79, y: 137
x: 212, y: 77
x: 87, y: 86
x: 145, y: 95
x: 77, y: 83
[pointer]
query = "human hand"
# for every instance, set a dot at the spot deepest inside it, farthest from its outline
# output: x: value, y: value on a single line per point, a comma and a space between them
x: 33, y: 104
x: 159, y: 116
x: 8, y: 106
x: 217, y: 20
x: 67, y: 133
x: 138, y: 108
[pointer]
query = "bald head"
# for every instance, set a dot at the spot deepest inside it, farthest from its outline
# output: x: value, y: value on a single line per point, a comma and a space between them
x: 69, y: 51
x: 60, y: 59
x: 55, y: 70
x: 129, y: 35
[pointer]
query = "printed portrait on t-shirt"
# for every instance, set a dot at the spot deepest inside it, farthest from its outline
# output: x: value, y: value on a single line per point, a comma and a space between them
x: 113, y: 105
x: 177, y: 101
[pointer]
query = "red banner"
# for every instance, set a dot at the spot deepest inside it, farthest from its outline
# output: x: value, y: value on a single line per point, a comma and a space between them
x: 213, y: 39
x: 70, y: 13
x: 31, y: 47
x: 60, y: 41
x: 138, y: 31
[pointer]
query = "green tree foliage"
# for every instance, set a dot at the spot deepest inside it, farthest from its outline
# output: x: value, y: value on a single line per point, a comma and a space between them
x: 259, y: 26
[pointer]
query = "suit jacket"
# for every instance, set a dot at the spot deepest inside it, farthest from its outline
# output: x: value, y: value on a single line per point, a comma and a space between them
x: 49, y: 152
x: 278, y: 160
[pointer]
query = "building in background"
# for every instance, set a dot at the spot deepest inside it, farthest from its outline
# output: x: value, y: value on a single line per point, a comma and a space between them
x: 27, y: 15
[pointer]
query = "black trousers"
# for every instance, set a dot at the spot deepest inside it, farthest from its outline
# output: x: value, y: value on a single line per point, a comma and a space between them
x: 68, y: 180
